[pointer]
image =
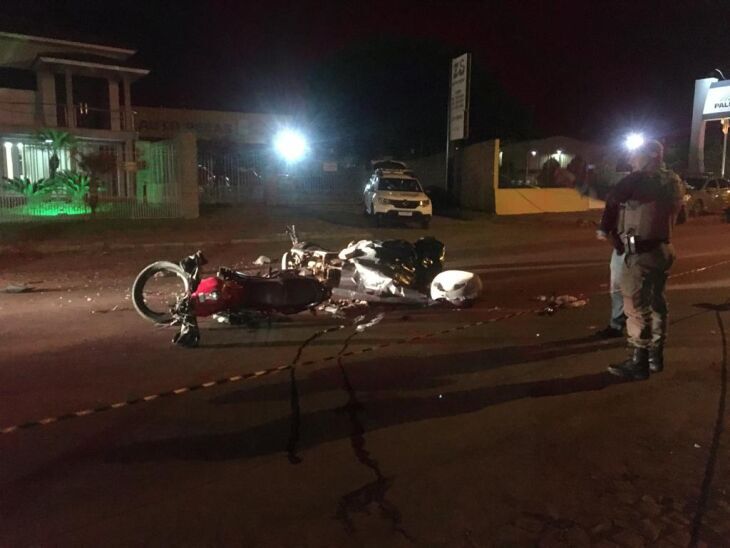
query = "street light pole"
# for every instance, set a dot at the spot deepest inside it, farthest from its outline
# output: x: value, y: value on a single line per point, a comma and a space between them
x: 725, y: 125
x: 532, y: 153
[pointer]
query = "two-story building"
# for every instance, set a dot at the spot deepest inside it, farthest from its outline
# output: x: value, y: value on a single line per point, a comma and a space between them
x: 81, y: 89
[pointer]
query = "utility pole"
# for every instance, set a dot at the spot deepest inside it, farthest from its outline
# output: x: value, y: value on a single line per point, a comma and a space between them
x: 725, y: 126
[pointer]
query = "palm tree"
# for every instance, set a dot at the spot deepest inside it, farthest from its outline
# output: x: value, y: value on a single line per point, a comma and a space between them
x: 55, y: 141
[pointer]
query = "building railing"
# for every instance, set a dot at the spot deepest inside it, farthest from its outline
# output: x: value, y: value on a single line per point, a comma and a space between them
x: 82, y: 116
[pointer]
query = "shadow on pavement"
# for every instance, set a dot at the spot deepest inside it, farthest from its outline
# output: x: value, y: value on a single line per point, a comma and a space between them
x: 408, y: 373
x: 325, y: 426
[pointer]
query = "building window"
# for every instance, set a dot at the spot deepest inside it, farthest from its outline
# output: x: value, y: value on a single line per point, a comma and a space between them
x: 29, y: 159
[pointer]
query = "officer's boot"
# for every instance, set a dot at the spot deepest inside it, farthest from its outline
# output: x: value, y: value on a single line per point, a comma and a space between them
x: 656, y: 359
x: 636, y: 368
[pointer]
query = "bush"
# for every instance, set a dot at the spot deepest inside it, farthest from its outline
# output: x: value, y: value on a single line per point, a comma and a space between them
x: 76, y: 184
x: 28, y: 188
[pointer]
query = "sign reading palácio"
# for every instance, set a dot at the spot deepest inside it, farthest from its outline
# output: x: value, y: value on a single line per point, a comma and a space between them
x: 459, y: 100
x: 717, y: 104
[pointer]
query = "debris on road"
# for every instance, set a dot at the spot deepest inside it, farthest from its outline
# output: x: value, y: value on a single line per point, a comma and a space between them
x: 343, y: 308
x: 17, y: 288
x: 116, y: 308
x: 553, y: 303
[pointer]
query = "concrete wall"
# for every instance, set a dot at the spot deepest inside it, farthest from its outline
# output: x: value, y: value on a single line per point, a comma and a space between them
x: 430, y: 170
x: 476, y: 170
x: 476, y: 184
x: 17, y: 107
x: 520, y: 201
x: 186, y: 152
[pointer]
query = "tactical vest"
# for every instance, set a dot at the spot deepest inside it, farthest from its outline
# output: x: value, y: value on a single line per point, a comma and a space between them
x: 650, y: 220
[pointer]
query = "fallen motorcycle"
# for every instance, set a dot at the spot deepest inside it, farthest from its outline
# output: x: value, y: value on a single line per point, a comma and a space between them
x: 390, y: 270
x: 174, y: 294
x: 310, y: 259
x: 385, y: 271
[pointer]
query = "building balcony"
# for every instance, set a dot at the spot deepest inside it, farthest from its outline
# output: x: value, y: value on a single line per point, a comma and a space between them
x: 24, y: 116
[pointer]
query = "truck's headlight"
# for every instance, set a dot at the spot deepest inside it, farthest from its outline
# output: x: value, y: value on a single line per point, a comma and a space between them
x: 425, y: 202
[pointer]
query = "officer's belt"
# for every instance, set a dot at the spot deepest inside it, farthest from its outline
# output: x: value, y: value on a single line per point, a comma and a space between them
x: 642, y: 246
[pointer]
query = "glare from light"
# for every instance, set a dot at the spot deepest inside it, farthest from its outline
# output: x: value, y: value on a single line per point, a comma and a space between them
x: 533, y: 152
x: 558, y: 152
x: 290, y: 145
x: 634, y: 141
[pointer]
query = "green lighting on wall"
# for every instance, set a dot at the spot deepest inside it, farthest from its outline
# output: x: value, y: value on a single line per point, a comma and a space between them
x: 56, y: 209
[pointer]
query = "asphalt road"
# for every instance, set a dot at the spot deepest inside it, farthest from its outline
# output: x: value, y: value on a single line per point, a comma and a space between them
x: 491, y: 426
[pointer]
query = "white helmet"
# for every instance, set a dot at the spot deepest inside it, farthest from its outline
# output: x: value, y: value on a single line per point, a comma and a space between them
x: 456, y: 286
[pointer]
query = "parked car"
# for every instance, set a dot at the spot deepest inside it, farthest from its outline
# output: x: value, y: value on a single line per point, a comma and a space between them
x: 705, y: 195
x: 396, y: 194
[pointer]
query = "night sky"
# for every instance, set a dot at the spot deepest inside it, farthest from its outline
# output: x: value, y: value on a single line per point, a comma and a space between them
x: 357, y: 70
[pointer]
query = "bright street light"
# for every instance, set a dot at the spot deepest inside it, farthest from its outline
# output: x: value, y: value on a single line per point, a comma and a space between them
x: 290, y: 145
x: 634, y: 141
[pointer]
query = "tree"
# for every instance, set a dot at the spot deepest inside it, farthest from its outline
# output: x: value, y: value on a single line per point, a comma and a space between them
x: 56, y: 141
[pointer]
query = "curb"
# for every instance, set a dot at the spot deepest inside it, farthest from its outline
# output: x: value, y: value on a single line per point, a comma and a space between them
x: 50, y: 249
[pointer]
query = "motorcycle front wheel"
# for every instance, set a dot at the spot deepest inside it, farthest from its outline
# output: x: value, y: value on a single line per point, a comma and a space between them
x: 157, y: 289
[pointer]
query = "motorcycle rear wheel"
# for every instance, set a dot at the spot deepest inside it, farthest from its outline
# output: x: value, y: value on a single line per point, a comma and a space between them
x: 159, y: 314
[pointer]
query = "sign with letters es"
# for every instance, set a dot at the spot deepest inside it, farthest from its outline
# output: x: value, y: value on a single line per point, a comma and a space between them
x: 717, y: 104
x: 459, y: 99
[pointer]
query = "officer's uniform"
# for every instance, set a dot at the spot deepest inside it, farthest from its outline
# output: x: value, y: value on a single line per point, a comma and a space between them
x: 642, y: 210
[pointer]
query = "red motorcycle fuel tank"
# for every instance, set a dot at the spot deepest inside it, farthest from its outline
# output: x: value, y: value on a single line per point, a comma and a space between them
x: 214, y: 295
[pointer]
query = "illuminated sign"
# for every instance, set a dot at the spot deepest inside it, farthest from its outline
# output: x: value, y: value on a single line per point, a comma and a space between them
x: 717, y: 104
x: 459, y: 100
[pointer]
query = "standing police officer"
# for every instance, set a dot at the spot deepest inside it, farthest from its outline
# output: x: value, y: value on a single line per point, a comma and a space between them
x: 642, y: 210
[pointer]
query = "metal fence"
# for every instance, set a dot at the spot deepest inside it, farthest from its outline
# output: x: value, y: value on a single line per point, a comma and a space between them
x: 158, y: 193
x: 153, y: 191
x: 342, y: 186
x: 230, y: 177
x: 226, y: 177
